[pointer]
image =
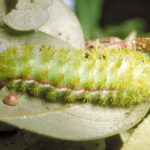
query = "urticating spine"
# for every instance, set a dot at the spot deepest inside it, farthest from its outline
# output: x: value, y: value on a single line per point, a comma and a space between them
x: 119, y: 77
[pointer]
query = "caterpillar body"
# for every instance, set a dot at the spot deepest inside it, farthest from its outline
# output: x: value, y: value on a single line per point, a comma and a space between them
x: 118, y: 77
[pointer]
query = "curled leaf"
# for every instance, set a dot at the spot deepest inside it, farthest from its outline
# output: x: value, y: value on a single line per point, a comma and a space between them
x: 29, y: 15
x: 63, y: 23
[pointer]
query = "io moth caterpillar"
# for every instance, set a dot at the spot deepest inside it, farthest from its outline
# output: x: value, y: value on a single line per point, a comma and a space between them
x: 117, y: 77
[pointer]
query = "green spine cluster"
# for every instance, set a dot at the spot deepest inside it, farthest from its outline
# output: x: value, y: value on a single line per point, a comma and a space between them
x: 118, y: 77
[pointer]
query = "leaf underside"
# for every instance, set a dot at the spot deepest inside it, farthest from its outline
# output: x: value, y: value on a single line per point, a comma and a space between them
x: 70, y: 121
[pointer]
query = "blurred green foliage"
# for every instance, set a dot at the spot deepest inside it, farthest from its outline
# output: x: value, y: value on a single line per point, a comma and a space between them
x: 89, y: 13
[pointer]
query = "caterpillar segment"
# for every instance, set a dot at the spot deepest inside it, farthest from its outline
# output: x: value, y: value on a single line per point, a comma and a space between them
x: 119, y: 77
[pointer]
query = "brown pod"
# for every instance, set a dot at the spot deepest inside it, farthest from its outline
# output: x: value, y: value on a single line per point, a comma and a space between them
x: 102, y: 42
x: 139, y: 44
x: 11, y: 99
x: 143, y: 44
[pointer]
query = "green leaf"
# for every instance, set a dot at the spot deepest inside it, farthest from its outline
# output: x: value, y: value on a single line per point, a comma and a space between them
x: 89, y: 14
x: 69, y: 121
x: 63, y: 24
x: 123, y: 29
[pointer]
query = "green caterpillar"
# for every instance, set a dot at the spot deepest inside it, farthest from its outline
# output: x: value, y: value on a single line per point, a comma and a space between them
x: 118, y: 77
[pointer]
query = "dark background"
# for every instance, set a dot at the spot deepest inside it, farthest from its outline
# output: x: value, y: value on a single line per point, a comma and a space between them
x: 101, y: 18
x: 117, y: 11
